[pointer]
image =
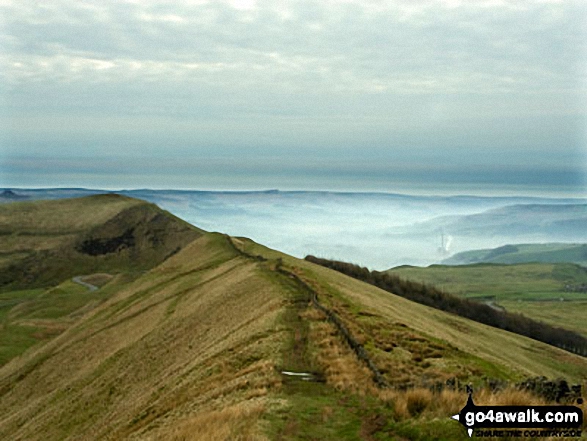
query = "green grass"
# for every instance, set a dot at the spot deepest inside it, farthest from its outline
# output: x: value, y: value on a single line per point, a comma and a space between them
x: 31, y: 316
x: 10, y: 299
x: 536, y: 290
x: 56, y: 302
x: 571, y: 315
x: 315, y: 411
x: 15, y: 339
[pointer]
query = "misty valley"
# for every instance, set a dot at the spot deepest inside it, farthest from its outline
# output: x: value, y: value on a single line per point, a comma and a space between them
x: 377, y: 230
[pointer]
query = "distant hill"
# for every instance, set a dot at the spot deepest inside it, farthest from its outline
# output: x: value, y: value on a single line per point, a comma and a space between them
x: 370, y: 224
x: 560, y: 222
x: 196, y: 335
x: 10, y: 196
x: 524, y: 253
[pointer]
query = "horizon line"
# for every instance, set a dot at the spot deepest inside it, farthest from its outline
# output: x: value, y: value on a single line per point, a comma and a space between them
x: 276, y: 191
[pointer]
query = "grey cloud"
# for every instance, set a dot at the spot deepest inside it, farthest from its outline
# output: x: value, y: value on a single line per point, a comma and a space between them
x: 364, y: 75
x: 344, y: 43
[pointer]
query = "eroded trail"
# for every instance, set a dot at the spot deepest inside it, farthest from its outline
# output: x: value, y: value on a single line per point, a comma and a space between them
x: 321, y: 355
x: 298, y: 362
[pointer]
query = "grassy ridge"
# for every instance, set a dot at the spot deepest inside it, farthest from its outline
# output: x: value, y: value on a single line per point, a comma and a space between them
x: 43, y: 248
x: 162, y: 344
x: 499, y: 351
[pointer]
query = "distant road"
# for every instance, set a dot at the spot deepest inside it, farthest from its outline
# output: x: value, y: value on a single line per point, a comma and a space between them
x: 78, y: 279
x: 495, y: 306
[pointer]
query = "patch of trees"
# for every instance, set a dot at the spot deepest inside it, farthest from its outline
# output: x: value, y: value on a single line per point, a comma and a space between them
x: 480, y: 312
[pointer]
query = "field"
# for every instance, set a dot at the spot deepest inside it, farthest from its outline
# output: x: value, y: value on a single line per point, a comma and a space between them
x: 537, y: 290
x: 530, y: 281
x: 569, y: 315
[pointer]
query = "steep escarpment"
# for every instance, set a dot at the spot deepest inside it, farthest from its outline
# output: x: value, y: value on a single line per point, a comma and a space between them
x: 46, y: 241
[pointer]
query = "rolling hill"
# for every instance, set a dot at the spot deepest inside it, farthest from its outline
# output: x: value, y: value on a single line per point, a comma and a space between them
x: 524, y: 253
x: 46, y: 244
x: 564, y: 222
x: 45, y: 241
x: 196, y: 335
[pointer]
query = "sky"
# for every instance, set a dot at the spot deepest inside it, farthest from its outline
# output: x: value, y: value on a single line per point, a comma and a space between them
x: 356, y: 95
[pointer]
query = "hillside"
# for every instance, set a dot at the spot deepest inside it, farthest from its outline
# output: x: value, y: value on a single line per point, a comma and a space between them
x: 98, y: 239
x: 524, y: 253
x: 195, y: 346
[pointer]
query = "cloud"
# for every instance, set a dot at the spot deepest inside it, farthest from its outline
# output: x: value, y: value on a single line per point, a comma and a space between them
x: 443, y: 46
x: 417, y: 74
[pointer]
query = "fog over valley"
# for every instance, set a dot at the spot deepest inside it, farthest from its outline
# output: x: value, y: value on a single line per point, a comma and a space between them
x: 377, y: 230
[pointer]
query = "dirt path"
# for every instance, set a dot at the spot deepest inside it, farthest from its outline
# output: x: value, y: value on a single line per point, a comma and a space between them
x: 304, y: 295
x: 78, y: 280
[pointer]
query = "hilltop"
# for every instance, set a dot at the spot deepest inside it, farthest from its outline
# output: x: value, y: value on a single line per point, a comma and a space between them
x: 45, y: 241
x: 190, y: 337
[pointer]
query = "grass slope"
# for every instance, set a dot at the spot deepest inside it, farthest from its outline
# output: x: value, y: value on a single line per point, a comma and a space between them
x: 194, y: 349
x: 196, y: 335
x: 46, y: 243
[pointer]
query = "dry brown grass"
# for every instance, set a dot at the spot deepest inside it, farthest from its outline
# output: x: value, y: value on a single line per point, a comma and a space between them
x: 511, y: 352
x: 416, y: 402
x: 408, y: 404
x: 235, y: 423
x: 98, y: 279
x: 510, y: 397
x: 162, y: 351
x: 341, y: 368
